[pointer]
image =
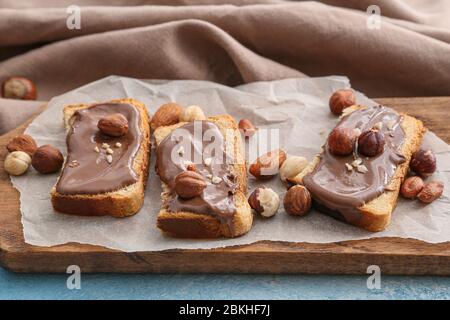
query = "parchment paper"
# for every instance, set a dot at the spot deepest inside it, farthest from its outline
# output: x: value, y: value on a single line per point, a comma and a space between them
x: 298, y: 107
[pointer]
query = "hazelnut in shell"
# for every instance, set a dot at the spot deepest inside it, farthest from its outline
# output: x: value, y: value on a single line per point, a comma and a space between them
x: 297, y: 201
x: 371, y: 143
x: 264, y: 201
x: 341, y: 141
x: 340, y: 100
x: 423, y: 162
x: 431, y: 192
x: 17, y: 163
x: 47, y: 159
x: 411, y: 187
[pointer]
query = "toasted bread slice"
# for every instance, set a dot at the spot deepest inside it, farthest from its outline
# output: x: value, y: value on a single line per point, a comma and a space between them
x: 120, y: 203
x: 198, y: 225
x: 376, y: 214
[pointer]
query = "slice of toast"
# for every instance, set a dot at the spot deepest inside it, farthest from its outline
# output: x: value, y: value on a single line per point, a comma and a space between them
x: 119, y: 203
x: 376, y: 214
x: 203, y: 225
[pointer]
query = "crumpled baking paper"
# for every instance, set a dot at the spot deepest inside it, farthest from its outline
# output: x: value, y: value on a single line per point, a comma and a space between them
x: 297, y: 107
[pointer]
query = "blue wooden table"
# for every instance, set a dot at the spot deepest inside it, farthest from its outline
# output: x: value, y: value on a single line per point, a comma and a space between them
x: 136, y: 286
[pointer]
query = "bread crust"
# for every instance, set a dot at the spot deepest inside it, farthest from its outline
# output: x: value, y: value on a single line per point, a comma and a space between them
x: 376, y: 215
x: 185, y: 224
x: 121, y: 203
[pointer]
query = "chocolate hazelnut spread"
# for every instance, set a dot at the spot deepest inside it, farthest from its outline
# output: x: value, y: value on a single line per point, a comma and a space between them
x: 337, y: 187
x: 90, y: 167
x: 192, y: 142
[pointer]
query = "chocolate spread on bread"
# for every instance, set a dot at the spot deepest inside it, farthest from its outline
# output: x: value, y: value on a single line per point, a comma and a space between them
x: 87, y: 169
x: 193, y: 142
x: 339, y: 191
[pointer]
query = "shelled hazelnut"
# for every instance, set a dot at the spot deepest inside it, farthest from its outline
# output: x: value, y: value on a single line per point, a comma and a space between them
x: 192, y: 113
x: 189, y: 184
x: 17, y: 163
x: 19, y: 88
x: 292, y: 166
x: 264, y: 201
x: 297, y: 201
x: 166, y: 115
x: 340, y: 100
x: 114, y: 125
x: 423, y: 162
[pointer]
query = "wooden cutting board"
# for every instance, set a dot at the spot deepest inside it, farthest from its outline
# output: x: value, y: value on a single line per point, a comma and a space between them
x: 393, y: 255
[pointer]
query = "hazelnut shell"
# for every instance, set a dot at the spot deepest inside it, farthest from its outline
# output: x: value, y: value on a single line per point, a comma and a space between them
x: 297, y: 201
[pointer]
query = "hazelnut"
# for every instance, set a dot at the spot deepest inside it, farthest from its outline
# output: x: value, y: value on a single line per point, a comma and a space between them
x: 247, y: 128
x: 47, y: 159
x: 17, y: 163
x: 192, y: 113
x: 340, y: 100
x: 19, y: 88
x: 292, y: 167
x: 189, y: 184
x: 342, y: 140
x: 264, y: 201
x: 423, y: 162
x: 411, y: 187
x: 267, y: 165
x: 371, y: 143
x: 166, y: 115
x: 431, y: 192
x: 23, y: 142
x: 114, y: 125
x: 297, y: 201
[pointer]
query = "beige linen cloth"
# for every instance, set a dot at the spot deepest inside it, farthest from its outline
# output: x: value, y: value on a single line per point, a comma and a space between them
x: 231, y: 42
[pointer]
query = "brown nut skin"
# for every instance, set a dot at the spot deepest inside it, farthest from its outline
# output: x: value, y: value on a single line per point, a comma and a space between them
x: 371, y: 143
x: 297, y: 201
x: 341, y: 141
x: 19, y: 88
x: 340, y: 100
x: 411, y: 187
x: 431, y: 192
x: 247, y: 128
x: 47, y: 159
x: 268, y: 165
x: 113, y: 125
x: 23, y: 142
x: 189, y: 184
x: 166, y: 115
x: 423, y: 162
